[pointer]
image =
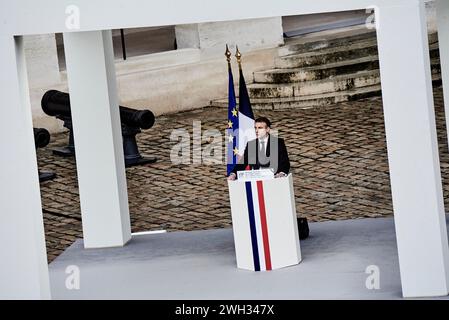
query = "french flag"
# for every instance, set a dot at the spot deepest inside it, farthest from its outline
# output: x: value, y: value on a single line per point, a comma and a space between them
x: 257, y: 215
x: 246, y: 117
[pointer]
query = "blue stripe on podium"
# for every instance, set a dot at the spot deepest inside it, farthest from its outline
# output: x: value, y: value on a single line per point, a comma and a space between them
x: 252, y: 225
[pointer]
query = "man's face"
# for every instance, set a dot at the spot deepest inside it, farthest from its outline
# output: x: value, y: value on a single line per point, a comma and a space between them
x: 261, y: 129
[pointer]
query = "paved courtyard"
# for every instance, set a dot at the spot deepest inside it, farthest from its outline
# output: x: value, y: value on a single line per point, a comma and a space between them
x: 338, y: 157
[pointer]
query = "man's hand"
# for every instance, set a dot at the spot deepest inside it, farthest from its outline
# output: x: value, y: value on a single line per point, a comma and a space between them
x: 280, y: 175
x: 232, y: 176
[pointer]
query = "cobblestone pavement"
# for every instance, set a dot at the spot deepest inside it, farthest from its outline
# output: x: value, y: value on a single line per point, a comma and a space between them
x: 338, y: 157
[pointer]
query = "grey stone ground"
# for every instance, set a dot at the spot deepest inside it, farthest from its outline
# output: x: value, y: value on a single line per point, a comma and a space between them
x: 338, y: 157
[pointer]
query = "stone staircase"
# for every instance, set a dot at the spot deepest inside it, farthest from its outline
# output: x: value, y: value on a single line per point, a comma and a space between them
x: 323, y: 72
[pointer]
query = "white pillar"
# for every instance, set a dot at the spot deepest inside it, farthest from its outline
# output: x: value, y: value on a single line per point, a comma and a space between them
x: 443, y: 39
x: 412, y: 150
x: 98, y: 139
x: 23, y: 256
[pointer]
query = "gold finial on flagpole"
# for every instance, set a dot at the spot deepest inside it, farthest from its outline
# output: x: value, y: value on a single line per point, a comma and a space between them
x: 238, y: 55
x: 228, y: 55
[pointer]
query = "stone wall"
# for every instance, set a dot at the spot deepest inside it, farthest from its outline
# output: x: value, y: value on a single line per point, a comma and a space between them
x: 247, y: 34
x: 431, y: 16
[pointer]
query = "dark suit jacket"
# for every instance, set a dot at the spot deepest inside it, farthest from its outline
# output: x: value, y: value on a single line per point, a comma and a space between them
x: 276, y: 156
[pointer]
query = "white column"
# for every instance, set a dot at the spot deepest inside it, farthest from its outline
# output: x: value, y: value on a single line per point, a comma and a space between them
x: 98, y: 139
x: 442, y: 9
x: 412, y: 150
x: 23, y: 256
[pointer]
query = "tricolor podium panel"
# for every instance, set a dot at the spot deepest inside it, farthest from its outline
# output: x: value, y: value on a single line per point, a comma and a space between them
x: 264, y: 223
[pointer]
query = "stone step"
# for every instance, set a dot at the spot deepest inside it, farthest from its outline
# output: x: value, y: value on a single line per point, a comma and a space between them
x: 307, y: 102
x: 332, y: 84
x: 316, y: 100
x: 327, y: 26
x: 435, y: 67
x: 324, y: 72
x: 289, y: 75
x: 434, y: 50
x: 300, y: 46
x: 348, y: 51
x: 329, y: 55
x: 321, y: 100
x: 304, y: 46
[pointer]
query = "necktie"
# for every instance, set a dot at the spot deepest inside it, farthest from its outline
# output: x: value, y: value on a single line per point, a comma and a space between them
x: 262, y: 147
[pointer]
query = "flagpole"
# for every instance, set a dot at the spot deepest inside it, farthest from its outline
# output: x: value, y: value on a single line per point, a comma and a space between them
x: 238, y: 55
x: 228, y: 56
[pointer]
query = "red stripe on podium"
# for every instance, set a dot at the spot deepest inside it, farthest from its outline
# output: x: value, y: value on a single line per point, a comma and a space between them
x: 263, y: 222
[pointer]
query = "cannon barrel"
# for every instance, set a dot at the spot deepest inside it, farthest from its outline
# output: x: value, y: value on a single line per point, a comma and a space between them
x: 143, y: 119
x: 41, y: 137
x: 57, y: 103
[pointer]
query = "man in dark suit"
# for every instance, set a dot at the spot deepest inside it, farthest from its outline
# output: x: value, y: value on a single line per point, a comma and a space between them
x: 266, y: 151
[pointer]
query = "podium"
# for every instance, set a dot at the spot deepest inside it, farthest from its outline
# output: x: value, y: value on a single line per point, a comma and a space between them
x: 264, y: 223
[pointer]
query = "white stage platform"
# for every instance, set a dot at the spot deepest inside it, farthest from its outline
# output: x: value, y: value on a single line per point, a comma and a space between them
x: 201, y: 265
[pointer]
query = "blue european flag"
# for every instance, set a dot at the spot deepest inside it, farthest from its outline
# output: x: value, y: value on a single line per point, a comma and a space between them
x: 232, y: 125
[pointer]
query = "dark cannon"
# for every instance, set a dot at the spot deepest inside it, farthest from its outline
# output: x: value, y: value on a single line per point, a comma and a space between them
x: 57, y: 104
x: 42, y: 139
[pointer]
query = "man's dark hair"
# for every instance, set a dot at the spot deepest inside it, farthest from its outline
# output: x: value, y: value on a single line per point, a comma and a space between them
x: 264, y: 120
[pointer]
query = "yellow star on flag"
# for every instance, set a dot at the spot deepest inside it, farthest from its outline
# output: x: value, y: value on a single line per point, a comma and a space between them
x: 230, y: 138
x: 234, y: 112
x: 230, y: 124
x: 236, y: 151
